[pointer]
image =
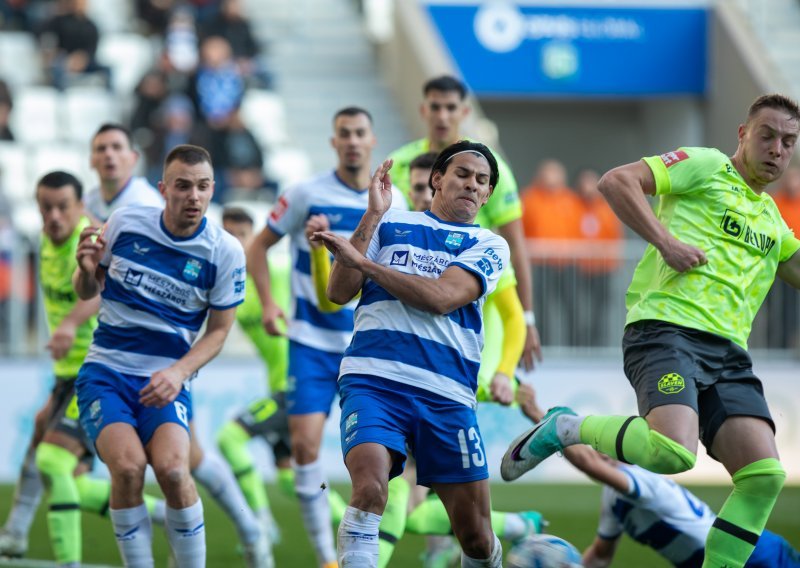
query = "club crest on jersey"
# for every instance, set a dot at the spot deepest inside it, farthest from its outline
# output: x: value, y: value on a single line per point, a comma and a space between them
x: 454, y: 239
x: 399, y: 258
x: 192, y: 269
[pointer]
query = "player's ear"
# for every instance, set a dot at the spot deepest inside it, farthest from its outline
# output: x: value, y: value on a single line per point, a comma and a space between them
x: 436, y: 181
x: 162, y: 188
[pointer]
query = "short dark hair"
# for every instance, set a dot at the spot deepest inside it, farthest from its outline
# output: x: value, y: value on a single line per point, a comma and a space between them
x: 236, y: 215
x: 106, y: 127
x: 57, y: 179
x: 776, y: 101
x: 445, y: 84
x: 352, y: 111
x: 444, y: 156
x: 187, y: 154
x: 423, y: 161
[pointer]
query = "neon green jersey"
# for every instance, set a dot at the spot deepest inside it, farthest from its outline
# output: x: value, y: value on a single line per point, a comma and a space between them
x: 273, y: 350
x: 57, y: 263
x: 493, y: 336
x: 704, y: 202
x: 503, y: 205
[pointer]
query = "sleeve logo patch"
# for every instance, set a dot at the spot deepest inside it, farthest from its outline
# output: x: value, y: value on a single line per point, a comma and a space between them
x: 672, y: 158
x: 280, y: 208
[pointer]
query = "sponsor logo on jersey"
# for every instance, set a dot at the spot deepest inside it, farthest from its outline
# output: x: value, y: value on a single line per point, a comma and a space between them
x: 671, y: 383
x: 735, y: 224
x: 238, y: 287
x: 192, y: 269
x: 280, y: 208
x: 133, y: 277
x: 672, y: 158
x: 454, y: 239
x: 399, y: 258
x: 485, y: 266
x: 490, y: 252
x: 351, y: 422
x: 238, y: 273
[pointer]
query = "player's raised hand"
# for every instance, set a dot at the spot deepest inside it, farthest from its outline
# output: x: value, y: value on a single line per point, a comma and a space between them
x: 341, y: 249
x: 270, y: 315
x: 91, y: 246
x: 681, y: 256
x: 501, y: 390
x: 380, y: 189
x: 62, y: 339
x: 163, y: 388
x: 315, y: 224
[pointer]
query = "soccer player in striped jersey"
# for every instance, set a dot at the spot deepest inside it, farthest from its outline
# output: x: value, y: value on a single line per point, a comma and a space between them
x: 316, y: 339
x: 161, y: 274
x: 409, y: 376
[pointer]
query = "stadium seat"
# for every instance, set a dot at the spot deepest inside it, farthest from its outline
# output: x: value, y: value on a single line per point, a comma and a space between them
x: 85, y: 109
x: 20, y: 64
x: 36, y: 115
x: 263, y: 112
x: 72, y: 158
x: 287, y: 166
x: 111, y: 16
x: 129, y: 56
x: 14, y: 179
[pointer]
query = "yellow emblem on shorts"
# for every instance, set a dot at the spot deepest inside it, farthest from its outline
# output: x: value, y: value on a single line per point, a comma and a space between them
x: 671, y: 383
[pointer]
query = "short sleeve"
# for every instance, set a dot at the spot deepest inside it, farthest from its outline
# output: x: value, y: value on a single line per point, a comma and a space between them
x: 789, y: 243
x: 608, y: 526
x: 683, y: 170
x: 110, y: 231
x: 289, y: 212
x: 487, y: 260
x: 374, y: 246
x: 229, y: 285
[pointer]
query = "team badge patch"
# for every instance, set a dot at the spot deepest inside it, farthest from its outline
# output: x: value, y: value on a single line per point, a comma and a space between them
x: 454, y: 239
x: 671, y: 383
x: 192, y: 269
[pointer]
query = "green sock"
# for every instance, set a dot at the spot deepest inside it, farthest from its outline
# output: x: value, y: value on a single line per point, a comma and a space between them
x: 741, y: 520
x: 430, y: 518
x: 232, y: 441
x: 393, y: 521
x: 94, y: 494
x: 630, y: 439
x: 337, y: 505
x: 286, y: 481
x: 64, y: 516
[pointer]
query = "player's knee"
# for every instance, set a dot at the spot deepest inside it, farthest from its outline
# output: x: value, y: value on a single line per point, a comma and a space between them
x: 53, y: 460
x: 666, y: 456
x: 171, y: 474
x: 764, y: 478
x: 475, y: 541
x: 304, y: 450
x: 369, y: 495
x: 127, y: 473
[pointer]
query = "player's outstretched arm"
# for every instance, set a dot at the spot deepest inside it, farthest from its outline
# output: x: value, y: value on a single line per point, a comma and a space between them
x: 89, y: 277
x: 789, y: 271
x: 598, y: 467
x: 600, y: 553
x: 258, y: 268
x: 165, y: 385
x: 625, y: 188
x: 63, y: 336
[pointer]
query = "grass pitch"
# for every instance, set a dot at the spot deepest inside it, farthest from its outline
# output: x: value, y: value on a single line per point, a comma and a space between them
x: 571, y: 509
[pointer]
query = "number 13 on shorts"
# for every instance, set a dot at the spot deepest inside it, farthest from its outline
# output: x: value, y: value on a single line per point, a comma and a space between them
x: 468, y: 456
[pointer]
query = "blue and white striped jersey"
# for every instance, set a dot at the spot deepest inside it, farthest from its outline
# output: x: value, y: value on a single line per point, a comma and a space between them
x: 137, y: 191
x: 325, y: 194
x: 658, y: 513
x: 438, y: 353
x: 158, y: 289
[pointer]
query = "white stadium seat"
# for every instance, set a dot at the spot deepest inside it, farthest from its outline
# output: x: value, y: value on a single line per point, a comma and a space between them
x: 129, y: 56
x: 36, y: 114
x: 288, y: 166
x: 85, y: 109
x: 263, y: 112
x: 72, y: 158
x: 14, y: 180
x: 20, y: 64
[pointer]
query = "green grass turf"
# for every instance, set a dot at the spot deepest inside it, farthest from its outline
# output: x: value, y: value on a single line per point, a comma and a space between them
x: 571, y: 510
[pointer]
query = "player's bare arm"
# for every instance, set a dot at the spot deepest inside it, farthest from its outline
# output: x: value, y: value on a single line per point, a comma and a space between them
x: 600, y: 553
x: 625, y: 188
x: 63, y: 336
x: 789, y: 271
x: 165, y: 385
x: 89, y: 277
x: 598, y: 467
x: 258, y: 268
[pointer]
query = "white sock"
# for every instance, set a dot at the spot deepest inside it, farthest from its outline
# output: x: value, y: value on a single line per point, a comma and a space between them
x: 358, y: 539
x: 214, y: 474
x: 27, y: 495
x: 515, y: 527
x: 314, y: 507
x: 187, y: 535
x: 134, y: 536
x: 495, y: 560
x: 568, y: 429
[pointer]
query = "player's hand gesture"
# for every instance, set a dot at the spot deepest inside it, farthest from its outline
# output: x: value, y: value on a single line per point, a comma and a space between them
x: 501, y: 390
x: 380, y: 189
x: 62, y: 339
x: 163, y: 388
x: 315, y: 224
x: 90, y: 249
x: 341, y: 249
x: 270, y: 315
x: 526, y: 398
x: 532, y: 351
x: 681, y: 256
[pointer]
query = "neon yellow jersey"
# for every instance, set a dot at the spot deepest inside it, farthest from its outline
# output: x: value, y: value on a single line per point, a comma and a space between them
x: 704, y: 202
x: 273, y: 350
x: 57, y: 263
x: 503, y: 206
x: 493, y: 336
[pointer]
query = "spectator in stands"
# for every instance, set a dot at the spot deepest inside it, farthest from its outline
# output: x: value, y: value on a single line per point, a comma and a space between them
x: 218, y: 87
x: 14, y: 15
x: 180, y: 42
x: 69, y: 44
x: 205, y: 10
x: 173, y: 124
x: 150, y: 93
x: 6, y: 104
x: 155, y: 14
x: 232, y: 24
x: 601, y: 249
x: 550, y: 218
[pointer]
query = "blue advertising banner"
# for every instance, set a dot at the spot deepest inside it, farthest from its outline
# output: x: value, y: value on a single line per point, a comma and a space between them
x: 505, y: 49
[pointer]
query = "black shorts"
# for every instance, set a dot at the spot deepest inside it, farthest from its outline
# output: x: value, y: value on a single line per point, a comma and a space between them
x: 671, y: 364
x: 268, y: 418
x: 64, y: 416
